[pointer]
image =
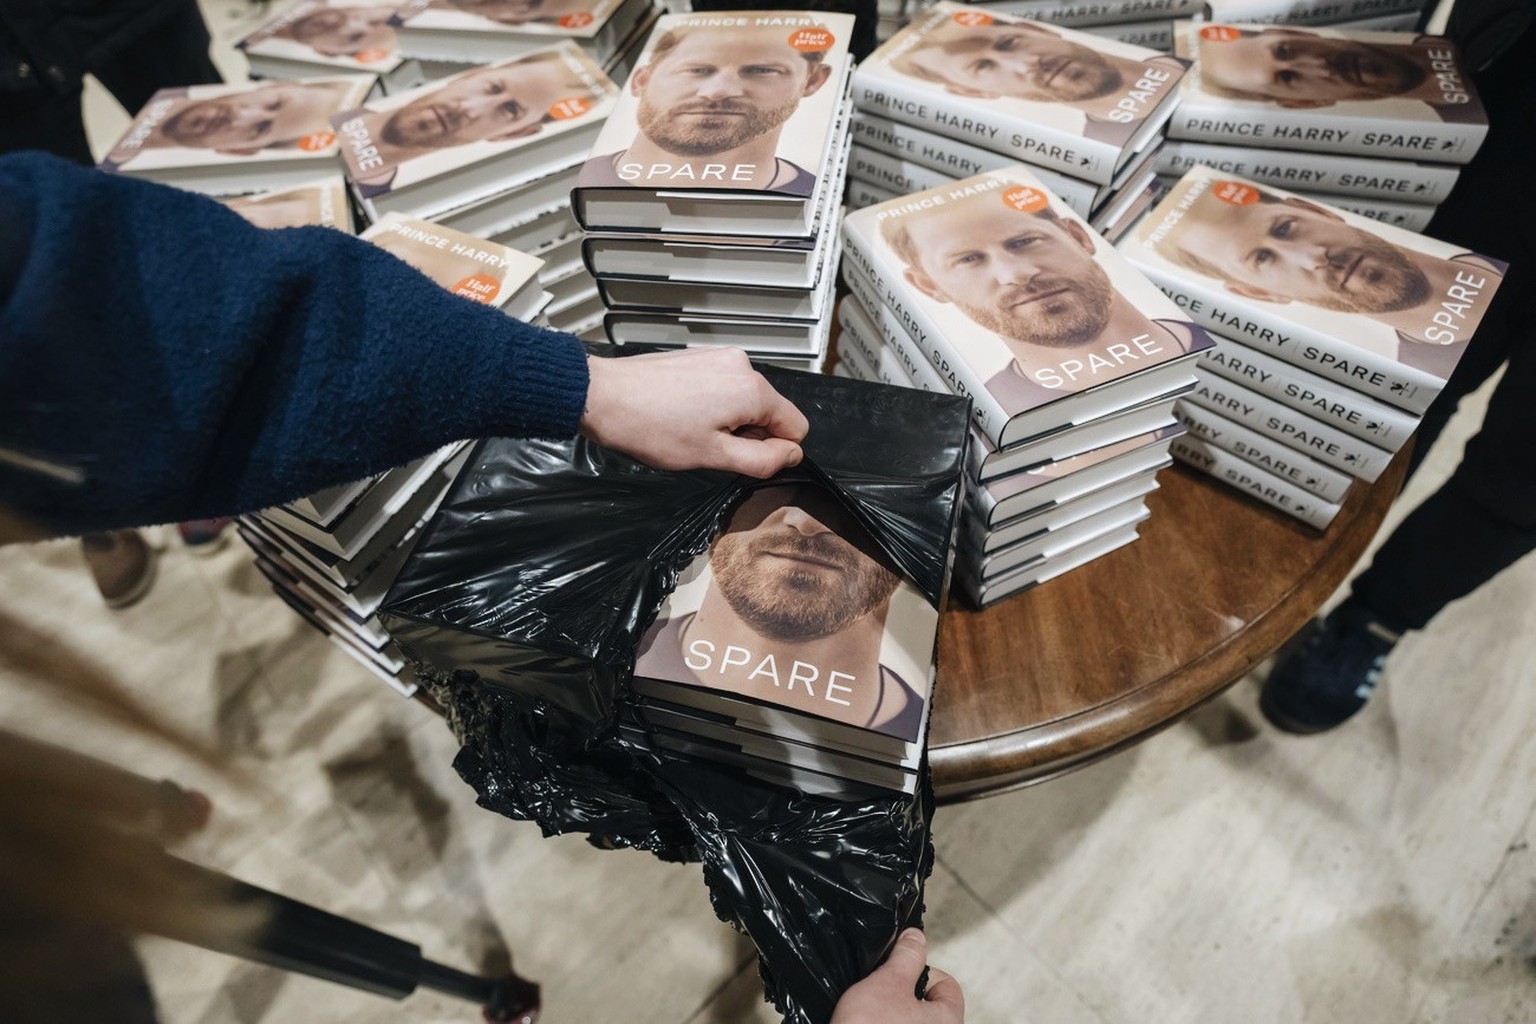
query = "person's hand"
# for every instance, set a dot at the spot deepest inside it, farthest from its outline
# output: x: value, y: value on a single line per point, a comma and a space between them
x: 693, y: 409
x: 887, y: 995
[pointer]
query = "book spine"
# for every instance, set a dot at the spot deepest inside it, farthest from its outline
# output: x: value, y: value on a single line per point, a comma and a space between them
x: 1312, y: 438
x: 963, y: 160
x: 1221, y: 313
x: 899, y: 176
x: 1350, y: 411
x: 1251, y: 480
x: 887, y: 335
x: 1307, y: 12
x: 859, y: 194
x: 958, y: 375
x: 1076, y: 13
x: 954, y: 117
x: 1402, y: 21
x: 1206, y: 119
x: 1402, y: 180
x: 1266, y: 453
x: 1408, y: 216
x: 1154, y: 35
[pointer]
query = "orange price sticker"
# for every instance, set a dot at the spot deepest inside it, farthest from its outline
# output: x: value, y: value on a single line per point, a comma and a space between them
x: 1235, y: 193
x: 578, y: 19
x: 1220, y: 33
x: 811, y: 40
x: 370, y: 56
x: 314, y: 142
x: 571, y: 106
x: 973, y: 19
x: 480, y: 287
x: 1025, y: 199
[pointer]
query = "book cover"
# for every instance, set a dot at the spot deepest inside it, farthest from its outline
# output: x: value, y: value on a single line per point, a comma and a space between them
x: 1306, y: 12
x: 467, y: 266
x: 219, y: 128
x: 516, y: 112
x: 478, y: 29
x: 343, y: 34
x: 1021, y: 306
x: 1374, y: 94
x: 322, y: 202
x: 795, y: 606
x: 1407, y: 181
x: 1408, y: 216
x: 1098, y: 12
x: 727, y: 105
x: 1378, y: 309
x: 1050, y: 96
x: 1154, y: 35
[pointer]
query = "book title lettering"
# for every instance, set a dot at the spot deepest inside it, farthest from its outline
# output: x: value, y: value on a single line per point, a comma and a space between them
x: 702, y: 658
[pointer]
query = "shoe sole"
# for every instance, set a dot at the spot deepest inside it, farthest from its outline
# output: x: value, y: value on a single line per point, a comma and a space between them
x: 1285, y: 723
x: 139, y: 589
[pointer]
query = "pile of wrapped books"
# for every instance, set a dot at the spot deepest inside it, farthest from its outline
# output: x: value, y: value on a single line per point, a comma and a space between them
x: 1335, y: 332
x: 710, y: 199
x: 1377, y: 123
x: 962, y: 90
x: 993, y: 288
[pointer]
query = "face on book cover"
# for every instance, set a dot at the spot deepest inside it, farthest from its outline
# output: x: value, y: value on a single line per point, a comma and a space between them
x: 491, y: 104
x: 1024, y: 61
x: 287, y: 210
x: 1300, y: 70
x: 1027, y: 277
x: 707, y: 91
x: 344, y: 31
x: 276, y: 114
x: 521, y: 12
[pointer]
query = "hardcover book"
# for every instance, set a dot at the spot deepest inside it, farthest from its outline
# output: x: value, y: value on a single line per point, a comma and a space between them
x: 1046, y: 545
x: 1378, y: 309
x: 732, y: 123
x: 986, y: 591
x: 1073, y: 102
x: 231, y: 139
x: 1021, y: 307
x: 769, y: 262
x: 691, y: 298
x: 1306, y: 12
x: 985, y: 539
x: 1407, y: 181
x: 1259, y: 484
x: 1098, y: 12
x: 322, y: 203
x: 1327, y: 483
x: 1374, y: 94
x: 443, y: 145
x: 482, y: 31
x: 793, y: 608
x: 477, y: 270
x: 316, y: 37
x: 1154, y: 35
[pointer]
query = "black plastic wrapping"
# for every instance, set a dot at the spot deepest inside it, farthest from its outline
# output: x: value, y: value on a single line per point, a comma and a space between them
x: 522, y: 607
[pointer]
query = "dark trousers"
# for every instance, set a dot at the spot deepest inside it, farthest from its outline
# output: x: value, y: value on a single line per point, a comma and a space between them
x: 1484, y: 517
x: 172, y: 51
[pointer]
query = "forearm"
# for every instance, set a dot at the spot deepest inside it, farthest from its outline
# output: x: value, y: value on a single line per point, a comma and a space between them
x: 186, y: 364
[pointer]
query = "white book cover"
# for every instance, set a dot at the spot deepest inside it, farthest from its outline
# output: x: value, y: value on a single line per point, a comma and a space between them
x: 1050, y: 96
x: 1408, y: 181
x: 1024, y: 308
x: 1098, y: 12
x: 467, y: 266
x: 342, y: 34
x: 322, y: 202
x: 1297, y: 431
x: 227, y: 128
x: 735, y: 102
x: 510, y: 20
x: 1408, y: 216
x: 1305, y: 12
x: 1377, y: 422
x: 1260, y: 484
x: 1378, y: 309
x: 1154, y: 35
x: 513, y: 109
x: 1265, y: 452
x: 1373, y: 94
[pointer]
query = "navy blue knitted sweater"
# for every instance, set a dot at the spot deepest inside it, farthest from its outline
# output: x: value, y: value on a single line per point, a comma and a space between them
x: 162, y: 360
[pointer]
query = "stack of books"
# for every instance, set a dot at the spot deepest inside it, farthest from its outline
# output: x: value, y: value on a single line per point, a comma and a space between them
x: 1377, y: 123
x: 797, y: 655
x: 1335, y: 334
x: 235, y: 139
x: 324, y: 37
x: 993, y: 288
x: 962, y: 90
x: 1146, y: 23
x: 333, y: 556
x: 710, y: 200
x: 443, y: 37
x: 492, y: 152
x: 322, y: 203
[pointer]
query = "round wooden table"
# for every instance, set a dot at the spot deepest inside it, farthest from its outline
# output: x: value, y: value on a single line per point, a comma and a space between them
x: 1106, y: 655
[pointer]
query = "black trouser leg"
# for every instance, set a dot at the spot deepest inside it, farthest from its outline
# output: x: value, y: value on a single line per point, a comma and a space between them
x: 43, y: 120
x: 173, y: 51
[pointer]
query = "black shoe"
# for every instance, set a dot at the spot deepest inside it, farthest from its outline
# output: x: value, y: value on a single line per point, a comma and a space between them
x: 1330, y: 675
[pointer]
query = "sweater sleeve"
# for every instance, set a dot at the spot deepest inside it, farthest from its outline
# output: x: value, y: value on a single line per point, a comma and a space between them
x: 161, y: 359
